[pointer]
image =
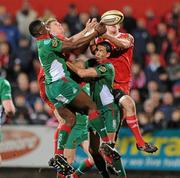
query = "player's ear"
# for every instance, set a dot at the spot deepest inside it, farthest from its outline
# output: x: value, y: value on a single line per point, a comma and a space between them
x: 47, y: 28
x: 108, y: 54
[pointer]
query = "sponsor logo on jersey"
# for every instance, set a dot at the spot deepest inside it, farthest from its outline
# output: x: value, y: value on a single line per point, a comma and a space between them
x: 54, y: 43
x: 102, y: 69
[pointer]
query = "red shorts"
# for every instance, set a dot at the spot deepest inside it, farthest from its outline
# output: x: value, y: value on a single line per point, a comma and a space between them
x: 125, y: 87
x: 41, y: 82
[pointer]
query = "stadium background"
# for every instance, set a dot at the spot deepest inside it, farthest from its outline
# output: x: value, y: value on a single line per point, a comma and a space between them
x: 155, y: 84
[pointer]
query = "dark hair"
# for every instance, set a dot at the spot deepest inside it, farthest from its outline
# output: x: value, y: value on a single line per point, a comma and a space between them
x: 34, y: 28
x: 107, y: 45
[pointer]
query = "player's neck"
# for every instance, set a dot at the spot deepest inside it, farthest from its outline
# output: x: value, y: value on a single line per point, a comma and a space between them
x: 114, y: 33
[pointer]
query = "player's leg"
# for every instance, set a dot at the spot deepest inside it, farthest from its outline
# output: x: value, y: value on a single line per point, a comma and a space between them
x: 87, y: 164
x: 97, y: 157
x: 111, y: 116
x: 84, y: 103
x: 131, y: 119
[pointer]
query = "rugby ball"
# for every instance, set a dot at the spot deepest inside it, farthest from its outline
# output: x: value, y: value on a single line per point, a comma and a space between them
x: 112, y: 17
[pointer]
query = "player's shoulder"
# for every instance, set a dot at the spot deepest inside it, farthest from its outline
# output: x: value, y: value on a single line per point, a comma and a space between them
x: 125, y: 35
x: 105, y: 67
x: 4, y: 82
x: 52, y: 42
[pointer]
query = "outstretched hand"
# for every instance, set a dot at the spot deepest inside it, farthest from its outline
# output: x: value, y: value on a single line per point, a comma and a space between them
x: 100, y: 28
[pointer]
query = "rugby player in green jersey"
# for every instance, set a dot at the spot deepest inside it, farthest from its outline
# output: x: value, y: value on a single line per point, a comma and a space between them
x: 6, y: 103
x: 62, y: 91
x: 101, y: 78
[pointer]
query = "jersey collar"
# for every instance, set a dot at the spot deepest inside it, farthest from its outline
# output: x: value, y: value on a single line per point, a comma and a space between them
x: 43, y: 37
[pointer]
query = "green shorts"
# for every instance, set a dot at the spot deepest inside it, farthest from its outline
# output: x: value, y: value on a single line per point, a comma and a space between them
x: 79, y: 132
x: 62, y: 92
x: 76, y: 137
x: 111, y: 116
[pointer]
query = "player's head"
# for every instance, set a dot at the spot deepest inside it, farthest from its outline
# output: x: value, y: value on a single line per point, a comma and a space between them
x: 54, y: 27
x: 113, y: 29
x: 37, y: 28
x: 103, y: 51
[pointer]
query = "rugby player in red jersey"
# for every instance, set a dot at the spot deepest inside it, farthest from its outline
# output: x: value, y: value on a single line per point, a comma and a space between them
x: 121, y: 58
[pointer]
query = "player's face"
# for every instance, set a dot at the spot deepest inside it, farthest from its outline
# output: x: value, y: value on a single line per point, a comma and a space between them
x: 56, y: 28
x: 101, y: 53
x: 113, y: 29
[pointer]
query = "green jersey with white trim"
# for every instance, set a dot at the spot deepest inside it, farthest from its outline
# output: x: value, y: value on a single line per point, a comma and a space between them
x: 52, y: 60
x: 101, y: 87
x: 5, y: 94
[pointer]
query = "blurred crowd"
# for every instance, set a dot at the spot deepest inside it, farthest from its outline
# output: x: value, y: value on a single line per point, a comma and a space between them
x: 155, y: 85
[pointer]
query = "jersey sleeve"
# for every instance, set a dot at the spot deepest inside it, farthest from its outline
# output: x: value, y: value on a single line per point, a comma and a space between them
x: 5, y: 90
x: 104, y: 69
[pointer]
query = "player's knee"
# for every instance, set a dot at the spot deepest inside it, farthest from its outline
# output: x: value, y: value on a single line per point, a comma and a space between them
x: 127, y: 103
x: 70, y: 121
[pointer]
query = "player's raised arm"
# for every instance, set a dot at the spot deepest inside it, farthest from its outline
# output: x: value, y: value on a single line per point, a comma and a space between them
x: 83, y: 73
x: 70, y: 44
x: 90, y: 25
x: 125, y: 42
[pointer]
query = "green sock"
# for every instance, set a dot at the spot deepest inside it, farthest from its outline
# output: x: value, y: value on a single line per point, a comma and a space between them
x: 85, y: 166
x: 62, y: 137
x: 119, y: 167
x: 99, y: 125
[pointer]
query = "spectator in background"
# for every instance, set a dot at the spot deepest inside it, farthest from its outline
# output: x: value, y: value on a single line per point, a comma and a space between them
x: 5, y: 54
x: 151, y: 22
x: 3, y: 13
x: 167, y: 106
x: 25, y: 56
x: 149, y: 108
x: 22, y: 116
x: 24, y: 17
x: 174, y: 123
x: 160, y: 37
x: 152, y: 67
x: 72, y: 19
x: 163, y: 80
x: 83, y: 17
x: 22, y: 84
x: 173, y: 68
x: 94, y: 13
x: 172, y: 17
x: 176, y: 93
x: 39, y: 116
x: 11, y: 31
x: 152, y: 87
x: 145, y: 123
x: 134, y: 93
x: 159, y: 121
x: 156, y: 98
x: 33, y: 94
x: 170, y: 44
x: 138, y: 77
x: 129, y: 22
x: 141, y: 38
x: 151, y: 49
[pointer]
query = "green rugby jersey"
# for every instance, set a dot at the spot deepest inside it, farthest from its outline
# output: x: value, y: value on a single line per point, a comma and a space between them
x: 5, y: 93
x: 101, y: 87
x: 51, y: 59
